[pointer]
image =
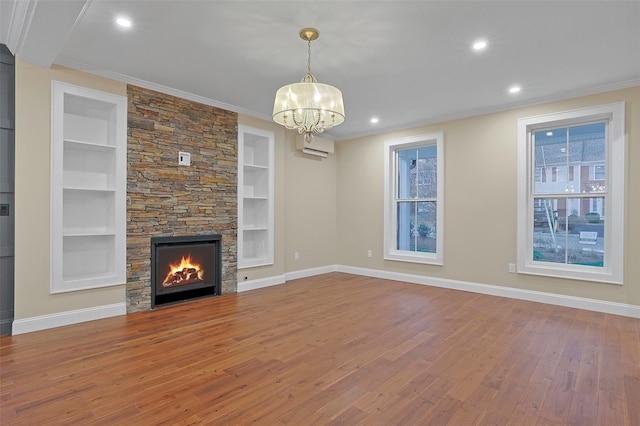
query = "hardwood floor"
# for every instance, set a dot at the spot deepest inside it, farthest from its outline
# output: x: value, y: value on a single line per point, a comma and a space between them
x: 331, y: 349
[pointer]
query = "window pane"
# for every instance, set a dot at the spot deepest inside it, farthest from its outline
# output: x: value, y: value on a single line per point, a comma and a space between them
x: 569, y: 231
x: 426, y: 172
x: 406, y: 224
x: 417, y: 226
x: 538, y: 175
x: 406, y: 163
x: 417, y: 172
x: 598, y: 172
x: 572, y: 159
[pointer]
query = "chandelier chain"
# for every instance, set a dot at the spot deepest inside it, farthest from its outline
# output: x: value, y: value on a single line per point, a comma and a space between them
x: 309, y: 59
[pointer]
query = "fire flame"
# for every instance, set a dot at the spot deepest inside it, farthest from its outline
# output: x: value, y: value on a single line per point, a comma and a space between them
x: 185, y: 272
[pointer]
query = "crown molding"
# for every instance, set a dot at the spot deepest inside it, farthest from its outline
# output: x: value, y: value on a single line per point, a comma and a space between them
x: 79, y: 66
x: 21, y: 13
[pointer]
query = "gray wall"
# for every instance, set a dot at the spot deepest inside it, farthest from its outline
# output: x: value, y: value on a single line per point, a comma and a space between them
x: 7, y: 149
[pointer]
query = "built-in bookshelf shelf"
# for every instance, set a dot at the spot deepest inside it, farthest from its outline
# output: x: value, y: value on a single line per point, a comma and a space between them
x: 255, y: 197
x: 88, y: 187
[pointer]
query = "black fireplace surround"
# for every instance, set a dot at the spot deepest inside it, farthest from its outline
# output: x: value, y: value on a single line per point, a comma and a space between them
x: 185, y: 267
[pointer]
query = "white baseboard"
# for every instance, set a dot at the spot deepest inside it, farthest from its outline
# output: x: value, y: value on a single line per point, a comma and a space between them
x: 60, y: 319
x: 304, y: 273
x: 44, y: 322
x: 603, y: 306
x: 260, y: 283
x: 595, y: 305
x: 281, y: 279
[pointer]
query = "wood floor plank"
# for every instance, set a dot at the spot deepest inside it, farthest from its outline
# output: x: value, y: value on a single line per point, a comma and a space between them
x: 529, y: 403
x: 632, y: 394
x: 331, y: 349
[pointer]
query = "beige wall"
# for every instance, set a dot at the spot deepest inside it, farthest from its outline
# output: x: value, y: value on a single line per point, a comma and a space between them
x: 330, y: 211
x: 305, y: 207
x: 32, y: 200
x: 480, y: 202
x: 311, y: 209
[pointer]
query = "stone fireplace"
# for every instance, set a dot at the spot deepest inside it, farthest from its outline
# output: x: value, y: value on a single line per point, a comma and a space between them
x: 167, y: 199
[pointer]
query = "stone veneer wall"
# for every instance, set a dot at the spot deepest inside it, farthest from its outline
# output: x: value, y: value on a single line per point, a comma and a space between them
x: 167, y: 199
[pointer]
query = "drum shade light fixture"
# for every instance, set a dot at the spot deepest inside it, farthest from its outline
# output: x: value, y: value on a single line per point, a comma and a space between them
x: 308, y: 106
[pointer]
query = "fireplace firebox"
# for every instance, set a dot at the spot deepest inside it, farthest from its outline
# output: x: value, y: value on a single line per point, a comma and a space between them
x: 185, y: 267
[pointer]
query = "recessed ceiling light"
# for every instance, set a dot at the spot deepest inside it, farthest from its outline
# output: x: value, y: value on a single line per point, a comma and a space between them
x: 479, y: 45
x: 123, y: 22
x: 514, y: 89
x: 374, y: 120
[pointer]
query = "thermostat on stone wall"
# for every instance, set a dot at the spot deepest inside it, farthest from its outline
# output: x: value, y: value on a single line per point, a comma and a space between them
x: 184, y: 158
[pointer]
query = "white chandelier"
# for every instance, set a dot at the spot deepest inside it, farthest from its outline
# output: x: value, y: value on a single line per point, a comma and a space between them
x: 308, y: 106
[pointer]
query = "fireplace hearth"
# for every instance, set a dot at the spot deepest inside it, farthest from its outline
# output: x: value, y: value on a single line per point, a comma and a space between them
x: 185, y: 267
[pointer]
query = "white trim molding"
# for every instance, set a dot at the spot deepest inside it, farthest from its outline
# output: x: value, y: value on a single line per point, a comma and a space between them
x: 614, y: 308
x: 612, y: 270
x: 595, y: 305
x: 21, y: 13
x: 396, y: 175
x: 281, y: 279
x: 123, y: 78
x: 304, y: 273
x: 44, y: 322
x: 260, y: 283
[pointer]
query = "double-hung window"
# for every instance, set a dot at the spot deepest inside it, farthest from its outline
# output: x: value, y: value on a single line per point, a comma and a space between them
x: 572, y: 226
x: 414, y: 182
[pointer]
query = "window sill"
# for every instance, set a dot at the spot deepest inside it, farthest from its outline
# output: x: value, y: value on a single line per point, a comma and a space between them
x: 425, y: 258
x: 571, y: 272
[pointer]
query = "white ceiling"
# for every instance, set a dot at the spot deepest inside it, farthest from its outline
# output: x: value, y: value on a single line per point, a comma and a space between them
x: 407, y: 62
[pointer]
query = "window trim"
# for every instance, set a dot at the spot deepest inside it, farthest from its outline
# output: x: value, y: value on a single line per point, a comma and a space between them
x: 391, y: 147
x: 613, y: 270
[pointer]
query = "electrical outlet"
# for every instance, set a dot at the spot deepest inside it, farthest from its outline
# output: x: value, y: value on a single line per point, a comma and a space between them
x: 184, y: 158
x: 512, y: 268
x: 369, y: 253
x: 296, y: 256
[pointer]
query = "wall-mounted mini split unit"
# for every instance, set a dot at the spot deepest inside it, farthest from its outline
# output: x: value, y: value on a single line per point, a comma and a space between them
x: 320, y: 147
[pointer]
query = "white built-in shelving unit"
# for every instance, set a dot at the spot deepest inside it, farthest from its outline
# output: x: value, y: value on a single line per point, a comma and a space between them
x: 88, y: 188
x: 255, y: 196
